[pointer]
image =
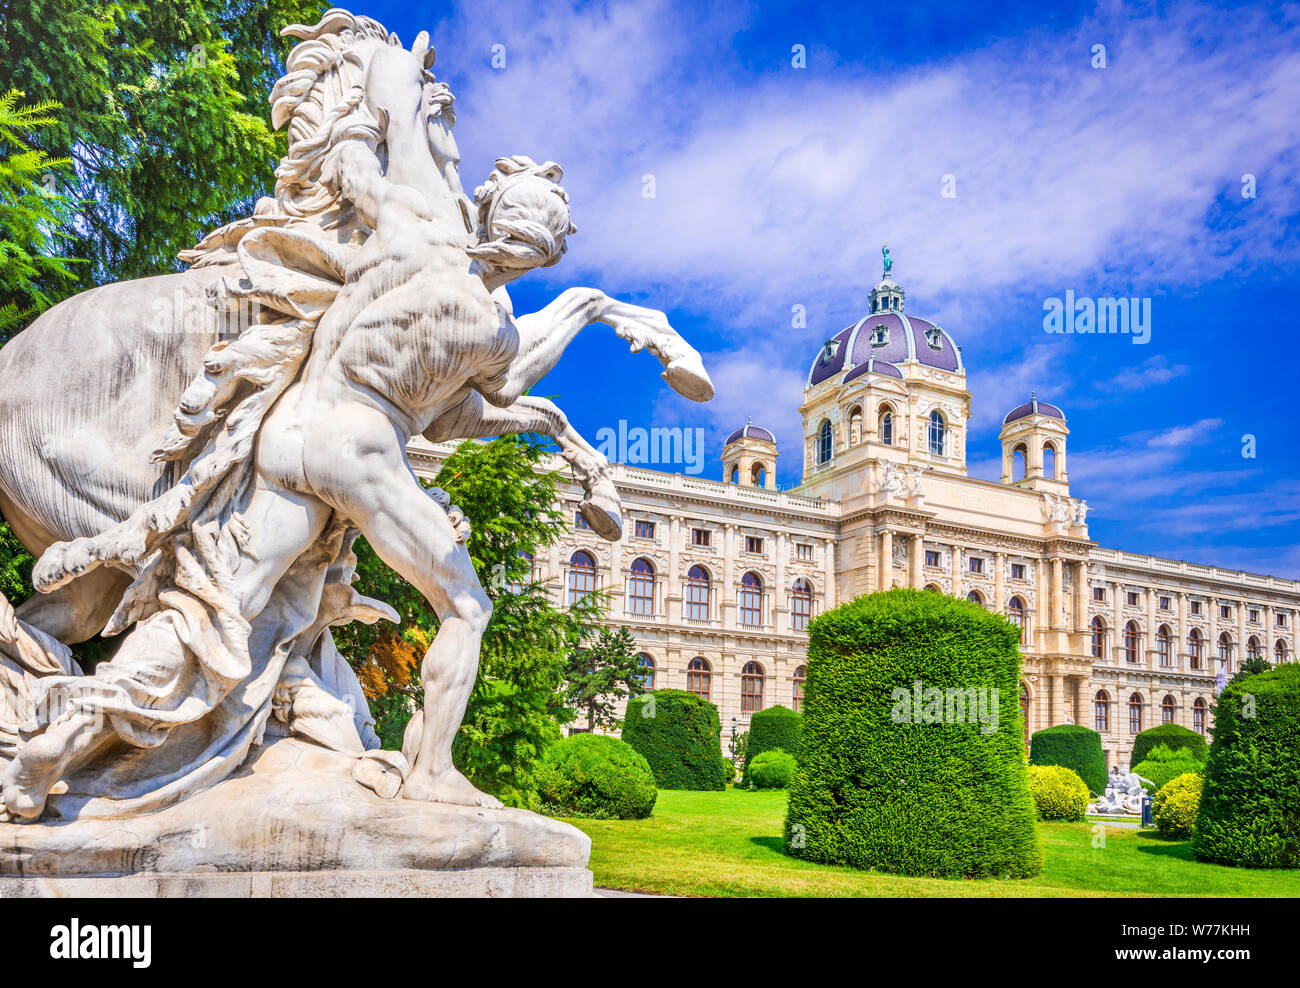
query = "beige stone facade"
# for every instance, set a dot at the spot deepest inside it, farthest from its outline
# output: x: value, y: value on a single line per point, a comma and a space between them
x: 727, y: 572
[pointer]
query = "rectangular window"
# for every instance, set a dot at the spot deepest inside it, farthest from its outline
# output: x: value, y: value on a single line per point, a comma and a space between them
x: 579, y: 522
x: 1281, y: 620
x: 803, y: 552
x: 1099, y: 593
x: 753, y: 543
x: 1017, y: 571
x: 1254, y: 616
x: 645, y: 529
x: 1164, y: 603
x: 1132, y: 599
x: 1225, y: 611
x: 975, y: 565
x: 1196, y: 607
x: 931, y: 558
x: 701, y: 536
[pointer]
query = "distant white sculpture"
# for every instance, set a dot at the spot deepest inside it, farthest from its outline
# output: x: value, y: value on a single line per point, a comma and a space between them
x: 204, y: 489
x: 1056, y: 509
x: 914, y: 480
x: 1123, y: 793
x: 1081, y: 513
x: 895, y: 483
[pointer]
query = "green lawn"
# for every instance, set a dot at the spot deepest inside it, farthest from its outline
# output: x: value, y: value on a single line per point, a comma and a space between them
x: 729, y: 844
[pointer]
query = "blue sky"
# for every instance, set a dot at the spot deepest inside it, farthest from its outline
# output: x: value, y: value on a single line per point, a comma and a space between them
x: 775, y: 186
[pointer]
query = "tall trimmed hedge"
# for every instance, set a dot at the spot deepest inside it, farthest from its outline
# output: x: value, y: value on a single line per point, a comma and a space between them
x: 1071, y: 746
x: 1250, y: 801
x: 678, y: 734
x: 1172, y: 736
x: 774, y: 729
x: 888, y: 783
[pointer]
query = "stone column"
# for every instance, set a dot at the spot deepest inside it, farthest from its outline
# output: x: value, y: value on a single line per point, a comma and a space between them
x: 998, y: 605
x: 918, y: 562
x: 1242, y: 607
x: 726, y: 611
x: 1081, y: 597
x: 828, y: 571
x: 955, y: 566
x: 781, y: 592
x: 886, y: 577
x: 1184, y: 629
x: 1058, y: 593
x: 1117, y: 623
x: 1151, y: 659
x: 1212, y: 603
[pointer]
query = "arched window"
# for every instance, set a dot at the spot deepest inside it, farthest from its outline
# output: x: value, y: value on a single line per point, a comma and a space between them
x: 938, y: 434
x: 697, y: 594
x: 855, y: 425
x: 933, y: 588
x: 1198, y: 715
x: 647, y: 664
x: 517, y: 586
x: 1020, y: 462
x: 1135, y: 714
x: 1252, y: 648
x: 1016, y: 612
x: 1131, y: 642
x: 582, y: 576
x: 751, y: 600
x: 887, y: 426
x: 735, y: 474
x: 1024, y: 712
x: 699, y: 676
x: 1049, y: 460
x: 800, y: 681
x: 1279, y: 651
x: 758, y: 475
x: 975, y: 598
x: 641, y: 588
x: 1101, y: 712
x: 800, y: 605
x: 751, y: 687
x: 1168, y: 709
x: 1098, y: 638
x: 1195, y: 649
x: 825, y: 442
x: 1225, y: 650
x: 1165, y: 646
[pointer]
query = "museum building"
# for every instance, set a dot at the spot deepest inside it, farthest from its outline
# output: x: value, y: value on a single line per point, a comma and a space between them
x: 718, y: 579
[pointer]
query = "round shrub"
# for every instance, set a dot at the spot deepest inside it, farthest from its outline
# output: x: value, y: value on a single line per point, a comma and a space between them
x: 677, y: 733
x: 1164, y: 764
x: 1059, y: 793
x: 1250, y: 802
x: 1172, y: 736
x: 1071, y: 746
x: 1175, y: 806
x: 774, y: 729
x: 771, y: 769
x: 911, y: 757
x: 596, y: 776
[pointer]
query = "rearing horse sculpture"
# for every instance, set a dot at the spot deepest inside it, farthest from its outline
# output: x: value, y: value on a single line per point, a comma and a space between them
x: 204, y: 488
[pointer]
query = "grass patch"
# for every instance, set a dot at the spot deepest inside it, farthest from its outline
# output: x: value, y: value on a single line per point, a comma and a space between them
x: 729, y: 844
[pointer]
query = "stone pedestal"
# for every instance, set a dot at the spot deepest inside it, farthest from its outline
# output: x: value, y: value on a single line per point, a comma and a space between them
x: 293, y: 822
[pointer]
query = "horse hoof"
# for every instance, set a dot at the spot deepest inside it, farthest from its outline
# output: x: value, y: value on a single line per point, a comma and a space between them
x: 604, y: 515
x: 687, y: 376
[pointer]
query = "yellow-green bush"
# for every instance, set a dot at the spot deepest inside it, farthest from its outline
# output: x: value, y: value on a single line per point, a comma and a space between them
x: 1059, y: 793
x: 1175, y: 806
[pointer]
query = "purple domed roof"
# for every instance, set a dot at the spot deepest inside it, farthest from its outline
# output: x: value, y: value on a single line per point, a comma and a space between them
x: 873, y: 366
x: 751, y: 432
x: 889, y: 338
x: 1033, y: 407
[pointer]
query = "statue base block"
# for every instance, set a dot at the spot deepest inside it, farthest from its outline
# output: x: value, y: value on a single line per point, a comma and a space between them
x: 293, y: 822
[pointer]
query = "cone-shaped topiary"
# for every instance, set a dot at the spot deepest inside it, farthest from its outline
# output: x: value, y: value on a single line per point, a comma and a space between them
x: 1071, y: 746
x: 911, y: 759
x: 774, y: 729
x: 1250, y: 802
x: 677, y: 733
x: 1175, y: 737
